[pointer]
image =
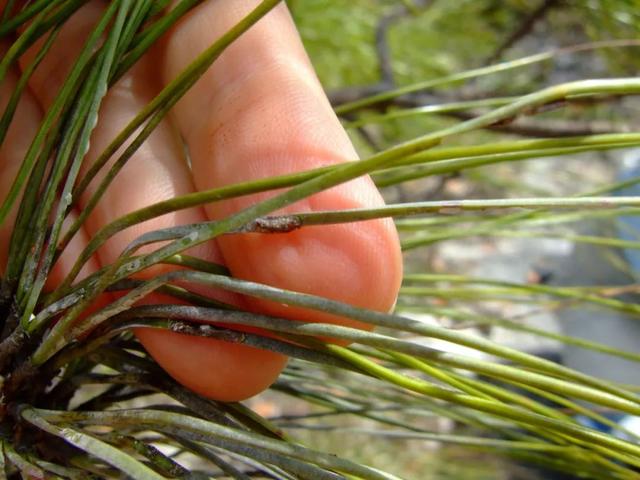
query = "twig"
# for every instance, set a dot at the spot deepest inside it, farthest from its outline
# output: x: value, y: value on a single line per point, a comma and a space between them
x: 527, y: 127
x: 276, y: 224
x: 368, y: 137
x: 10, y: 346
x: 257, y: 341
x: 382, y: 43
x: 384, y: 55
x: 523, y: 30
x: 372, y: 96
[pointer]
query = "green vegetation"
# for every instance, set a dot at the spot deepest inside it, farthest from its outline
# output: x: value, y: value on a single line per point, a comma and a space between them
x: 84, y: 387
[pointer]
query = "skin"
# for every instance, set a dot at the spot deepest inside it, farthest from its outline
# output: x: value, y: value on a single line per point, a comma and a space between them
x: 258, y: 111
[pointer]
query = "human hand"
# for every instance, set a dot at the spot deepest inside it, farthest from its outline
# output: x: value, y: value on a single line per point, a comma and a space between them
x: 258, y: 111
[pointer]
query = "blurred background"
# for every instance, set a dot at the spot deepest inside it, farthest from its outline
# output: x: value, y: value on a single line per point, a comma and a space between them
x: 363, y: 47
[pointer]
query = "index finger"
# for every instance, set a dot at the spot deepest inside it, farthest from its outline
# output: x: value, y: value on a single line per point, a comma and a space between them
x: 261, y: 111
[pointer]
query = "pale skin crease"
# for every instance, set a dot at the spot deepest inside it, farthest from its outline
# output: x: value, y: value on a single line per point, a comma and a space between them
x: 259, y: 111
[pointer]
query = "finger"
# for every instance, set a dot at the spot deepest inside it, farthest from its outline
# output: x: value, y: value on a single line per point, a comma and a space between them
x: 13, y: 149
x: 260, y: 111
x: 158, y: 171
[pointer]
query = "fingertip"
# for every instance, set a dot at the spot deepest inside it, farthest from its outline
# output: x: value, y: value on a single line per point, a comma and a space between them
x: 260, y: 111
x: 359, y: 264
x: 219, y: 370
